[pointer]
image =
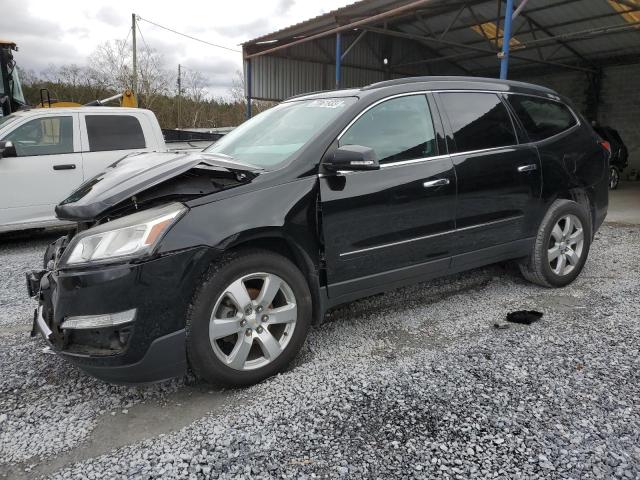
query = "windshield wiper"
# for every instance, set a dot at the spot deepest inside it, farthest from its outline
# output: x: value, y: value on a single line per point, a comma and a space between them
x: 232, y: 161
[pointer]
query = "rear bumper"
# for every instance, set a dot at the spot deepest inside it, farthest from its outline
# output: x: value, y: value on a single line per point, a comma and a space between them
x: 149, y: 349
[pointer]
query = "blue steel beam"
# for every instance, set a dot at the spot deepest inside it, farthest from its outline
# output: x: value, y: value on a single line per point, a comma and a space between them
x: 338, y: 59
x: 506, y: 40
x: 249, y: 93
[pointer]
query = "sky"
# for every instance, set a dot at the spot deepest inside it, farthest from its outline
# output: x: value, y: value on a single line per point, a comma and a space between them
x: 68, y: 31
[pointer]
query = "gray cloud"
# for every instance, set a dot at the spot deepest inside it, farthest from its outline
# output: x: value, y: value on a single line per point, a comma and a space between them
x: 245, y: 31
x: 284, y: 6
x: 19, y: 25
x: 45, y: 41
x: 110, y: 16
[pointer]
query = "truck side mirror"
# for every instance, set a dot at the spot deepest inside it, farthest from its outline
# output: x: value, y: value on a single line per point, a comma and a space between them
x: 8, y: 149
x: 351, y: 158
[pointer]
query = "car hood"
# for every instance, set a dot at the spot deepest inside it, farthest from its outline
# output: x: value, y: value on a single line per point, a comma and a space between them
x: 199, y: 173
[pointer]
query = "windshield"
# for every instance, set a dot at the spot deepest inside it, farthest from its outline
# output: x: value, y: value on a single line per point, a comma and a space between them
x: 16, y: 87
x: 276, y: 134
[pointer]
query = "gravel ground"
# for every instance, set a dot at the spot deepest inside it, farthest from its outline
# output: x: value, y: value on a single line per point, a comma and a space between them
x: 413, y: 384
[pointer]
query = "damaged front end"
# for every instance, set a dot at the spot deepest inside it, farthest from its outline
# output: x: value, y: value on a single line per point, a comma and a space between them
x: 107, y: 300
x: 145, y: 180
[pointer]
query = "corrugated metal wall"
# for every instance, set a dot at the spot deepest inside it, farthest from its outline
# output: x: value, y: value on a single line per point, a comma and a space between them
x: 310, y: 66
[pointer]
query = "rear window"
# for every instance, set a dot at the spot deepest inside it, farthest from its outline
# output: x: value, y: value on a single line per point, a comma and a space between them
x: 479, y: 121
x: 114, y: 132
x: 542, y: 118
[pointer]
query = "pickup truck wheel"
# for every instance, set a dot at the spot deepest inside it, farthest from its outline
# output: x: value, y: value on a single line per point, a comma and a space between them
x: 614, y: 178
x: 248, y: 319
x: 561, y: 247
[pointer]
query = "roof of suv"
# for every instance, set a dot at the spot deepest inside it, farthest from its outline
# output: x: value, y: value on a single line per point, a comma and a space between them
x: 436, y: 83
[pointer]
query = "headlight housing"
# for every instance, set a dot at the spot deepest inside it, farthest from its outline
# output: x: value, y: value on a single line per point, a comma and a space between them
x: 127, y: 237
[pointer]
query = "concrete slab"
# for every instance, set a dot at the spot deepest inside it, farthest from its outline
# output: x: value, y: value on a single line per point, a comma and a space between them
x: 624, y: 204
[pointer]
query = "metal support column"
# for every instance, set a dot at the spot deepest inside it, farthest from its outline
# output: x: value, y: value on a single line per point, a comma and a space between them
x: 506, y: 40
x: 248, y: 86
x: 338, y: 59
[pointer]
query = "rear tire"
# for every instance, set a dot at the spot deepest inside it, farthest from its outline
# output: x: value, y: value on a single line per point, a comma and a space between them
x: 614, y: 178
x: 248, y: 319
x: 561, y: 247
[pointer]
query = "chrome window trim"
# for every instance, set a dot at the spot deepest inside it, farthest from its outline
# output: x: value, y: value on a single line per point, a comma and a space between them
x: 411, y: 162
x: 384, y: 166
x: 433, y: 235
x: 547, y: 96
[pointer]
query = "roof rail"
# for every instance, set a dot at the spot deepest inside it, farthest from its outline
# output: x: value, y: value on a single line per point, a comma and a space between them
x: 431, y: 79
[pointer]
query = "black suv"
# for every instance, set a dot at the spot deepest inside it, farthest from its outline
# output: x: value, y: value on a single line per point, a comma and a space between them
x: 221, y: 260
x: 619, y: 153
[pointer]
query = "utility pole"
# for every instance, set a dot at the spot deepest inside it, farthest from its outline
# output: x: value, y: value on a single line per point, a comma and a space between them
x: 179, y: 96
x: 134, y: 83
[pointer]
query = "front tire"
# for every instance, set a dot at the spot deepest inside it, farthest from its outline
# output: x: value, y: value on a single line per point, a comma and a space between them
x: 561, y: 247
x: 248, y: 319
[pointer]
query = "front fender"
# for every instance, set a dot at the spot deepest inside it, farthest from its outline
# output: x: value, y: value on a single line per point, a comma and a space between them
x: 287, y: 210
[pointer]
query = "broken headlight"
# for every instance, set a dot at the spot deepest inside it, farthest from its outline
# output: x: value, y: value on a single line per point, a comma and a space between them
x: 131, y: 236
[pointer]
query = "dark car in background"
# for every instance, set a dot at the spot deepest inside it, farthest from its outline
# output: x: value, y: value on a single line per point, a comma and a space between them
x: 221, y: 260
x: 619, y: 153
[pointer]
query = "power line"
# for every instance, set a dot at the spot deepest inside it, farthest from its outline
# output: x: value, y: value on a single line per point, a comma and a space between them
x: 126, y: 39
x: 188, y: 36
x: 149, y: 52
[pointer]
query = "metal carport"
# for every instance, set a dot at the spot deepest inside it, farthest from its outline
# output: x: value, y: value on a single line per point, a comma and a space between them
x: 373, y: 40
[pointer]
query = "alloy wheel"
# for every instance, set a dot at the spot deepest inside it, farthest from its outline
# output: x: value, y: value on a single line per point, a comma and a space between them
x: 565, y: 245
x: 614, y: 178
x: 252, y: 321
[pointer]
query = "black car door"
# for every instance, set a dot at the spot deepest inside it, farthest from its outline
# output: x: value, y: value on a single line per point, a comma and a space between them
x: 395, y: 223
x: 499, y: 182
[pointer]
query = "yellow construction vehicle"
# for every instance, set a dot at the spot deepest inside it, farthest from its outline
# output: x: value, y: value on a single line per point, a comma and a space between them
x: 127, y: 99
x: 12, y: 97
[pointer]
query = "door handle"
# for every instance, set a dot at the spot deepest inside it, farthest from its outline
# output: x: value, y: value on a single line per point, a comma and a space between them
x: 436, y: 183
x: 65, y: 166
x: 527, y: 168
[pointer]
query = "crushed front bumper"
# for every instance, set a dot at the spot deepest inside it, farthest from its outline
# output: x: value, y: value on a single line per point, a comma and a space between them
x: 152, y: 347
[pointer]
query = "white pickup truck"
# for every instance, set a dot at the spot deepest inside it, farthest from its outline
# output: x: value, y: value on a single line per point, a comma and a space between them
x: 47, y: 152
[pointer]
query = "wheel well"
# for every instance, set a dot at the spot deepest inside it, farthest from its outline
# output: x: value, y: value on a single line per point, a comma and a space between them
x: 280, y: 246
x: 582, y: 197
x: 273, y: 244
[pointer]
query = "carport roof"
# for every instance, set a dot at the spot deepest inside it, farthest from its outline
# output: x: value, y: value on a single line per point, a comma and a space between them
x: 577, y: 34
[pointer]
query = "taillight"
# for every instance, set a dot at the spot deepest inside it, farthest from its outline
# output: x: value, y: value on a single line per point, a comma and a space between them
x: 606, y: 145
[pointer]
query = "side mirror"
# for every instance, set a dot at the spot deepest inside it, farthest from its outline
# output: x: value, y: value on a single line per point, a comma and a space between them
x: 352, y: 157
x: 7, y: 149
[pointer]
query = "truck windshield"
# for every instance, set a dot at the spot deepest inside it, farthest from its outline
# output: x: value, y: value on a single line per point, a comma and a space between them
x: 276, y: 134
x: 16, y: 87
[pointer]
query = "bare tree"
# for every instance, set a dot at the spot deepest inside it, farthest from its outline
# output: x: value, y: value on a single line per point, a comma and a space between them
x: 237, y: 90
x: 111, y: 65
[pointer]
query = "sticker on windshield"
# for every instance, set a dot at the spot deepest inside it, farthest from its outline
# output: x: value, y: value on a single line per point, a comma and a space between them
x: 326, y: 103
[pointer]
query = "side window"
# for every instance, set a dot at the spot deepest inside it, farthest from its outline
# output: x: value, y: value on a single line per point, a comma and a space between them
x: 541, y: 118
x: 397, y: 129
x: 114, y: 132
x: 43, y: 136
x: 478, y: 120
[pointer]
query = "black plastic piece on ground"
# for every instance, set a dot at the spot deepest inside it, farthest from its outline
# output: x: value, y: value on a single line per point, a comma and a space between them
x: 525, y: 317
